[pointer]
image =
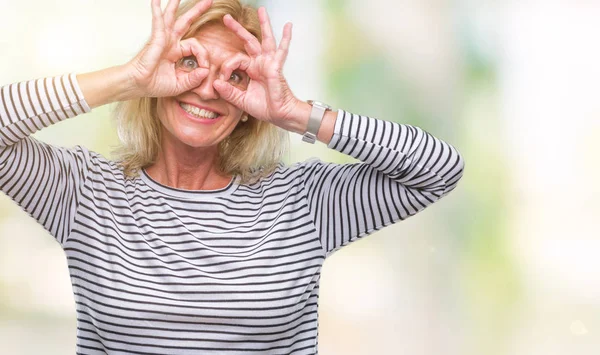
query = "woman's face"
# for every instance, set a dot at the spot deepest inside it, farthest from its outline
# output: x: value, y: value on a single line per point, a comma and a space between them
x: 199, y: 118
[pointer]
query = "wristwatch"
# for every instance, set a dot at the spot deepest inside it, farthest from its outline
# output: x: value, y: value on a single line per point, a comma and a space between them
x: 314, y: 122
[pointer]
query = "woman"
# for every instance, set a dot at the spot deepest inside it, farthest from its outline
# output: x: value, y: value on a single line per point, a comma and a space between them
x: 198, y: 240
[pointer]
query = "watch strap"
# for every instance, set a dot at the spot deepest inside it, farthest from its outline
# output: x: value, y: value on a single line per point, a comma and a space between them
x: 314, y: 121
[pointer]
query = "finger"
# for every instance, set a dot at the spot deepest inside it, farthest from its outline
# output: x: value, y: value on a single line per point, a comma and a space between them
x: 157, y: 19
x: 251, y: 43
x: 230, y: 93
x: 170, y: 11
x: 238, y: 62
x: 192, y: 46
x: 268, y: 40
x: 188, y: 81
x: 284, y: 46
x: 184, y: 21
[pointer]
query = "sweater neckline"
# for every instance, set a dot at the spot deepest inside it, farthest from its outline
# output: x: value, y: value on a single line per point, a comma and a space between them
x: 189, y: 194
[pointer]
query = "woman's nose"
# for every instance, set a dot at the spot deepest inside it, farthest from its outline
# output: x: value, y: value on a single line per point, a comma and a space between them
x: 206, y: 90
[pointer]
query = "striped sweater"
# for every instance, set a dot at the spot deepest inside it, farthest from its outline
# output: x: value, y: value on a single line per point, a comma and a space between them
x: 159, y: 270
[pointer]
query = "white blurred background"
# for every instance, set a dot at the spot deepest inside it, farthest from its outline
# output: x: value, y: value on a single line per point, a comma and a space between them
x: 506, y: 264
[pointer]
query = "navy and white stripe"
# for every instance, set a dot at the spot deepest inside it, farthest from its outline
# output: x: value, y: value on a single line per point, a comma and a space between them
x: 158, y: 270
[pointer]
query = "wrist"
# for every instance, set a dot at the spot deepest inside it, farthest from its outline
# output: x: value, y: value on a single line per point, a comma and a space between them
x: 327, y: 127
x: 127, y: 86
x: 297, y: 120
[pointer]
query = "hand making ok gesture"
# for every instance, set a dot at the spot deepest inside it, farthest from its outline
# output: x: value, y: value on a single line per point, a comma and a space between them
x: 154, y: 70
x: 268, y: 96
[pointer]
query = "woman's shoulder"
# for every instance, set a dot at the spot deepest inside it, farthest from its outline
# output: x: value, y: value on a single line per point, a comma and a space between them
x: 307, y: 164
x: 98, y: 164
x: 308, y: 169
x: 282, y: 176
x: 290, y: 171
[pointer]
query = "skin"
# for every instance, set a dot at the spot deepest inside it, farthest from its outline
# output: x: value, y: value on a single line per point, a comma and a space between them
x: 189, y: 147
x: 188, y: 156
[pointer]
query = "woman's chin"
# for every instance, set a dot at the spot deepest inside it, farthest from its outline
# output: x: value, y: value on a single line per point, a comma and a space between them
x: 199, y: 143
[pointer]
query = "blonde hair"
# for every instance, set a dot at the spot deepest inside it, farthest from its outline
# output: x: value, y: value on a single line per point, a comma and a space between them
x: 252, y: 151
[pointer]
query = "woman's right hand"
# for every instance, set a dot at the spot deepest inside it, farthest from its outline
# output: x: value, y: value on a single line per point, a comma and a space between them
x: 153, y: 72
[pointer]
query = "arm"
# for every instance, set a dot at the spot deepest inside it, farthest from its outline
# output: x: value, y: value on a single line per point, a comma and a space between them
x: 44, y: 180
x: 47, y: 181
x: 404, y: 169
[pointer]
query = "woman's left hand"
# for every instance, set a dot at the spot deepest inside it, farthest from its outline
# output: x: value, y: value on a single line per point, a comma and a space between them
x: 268, y: 96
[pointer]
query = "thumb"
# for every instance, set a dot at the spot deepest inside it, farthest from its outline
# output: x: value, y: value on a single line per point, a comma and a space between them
x: 230, y: 93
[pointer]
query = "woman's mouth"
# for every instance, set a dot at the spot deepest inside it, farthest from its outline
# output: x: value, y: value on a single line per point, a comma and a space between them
x: 199, y: 112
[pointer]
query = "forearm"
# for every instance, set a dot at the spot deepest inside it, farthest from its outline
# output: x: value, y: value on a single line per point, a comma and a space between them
x: 404, y: 153
x: 106, y: 86
x: 27, y: 107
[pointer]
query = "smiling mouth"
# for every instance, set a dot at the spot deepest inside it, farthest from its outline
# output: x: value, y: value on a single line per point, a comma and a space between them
x: 198, y: 112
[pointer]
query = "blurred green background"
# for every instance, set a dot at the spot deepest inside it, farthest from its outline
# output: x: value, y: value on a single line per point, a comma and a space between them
x: 506, y: 264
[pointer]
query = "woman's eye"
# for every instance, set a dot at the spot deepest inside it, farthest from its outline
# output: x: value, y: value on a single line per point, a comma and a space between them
x: 236, y: 78
x: 188, y: 63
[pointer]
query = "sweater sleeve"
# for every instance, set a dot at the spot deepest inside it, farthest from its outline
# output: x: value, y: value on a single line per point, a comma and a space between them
x: 43, y: 180
x: 403, y: 169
